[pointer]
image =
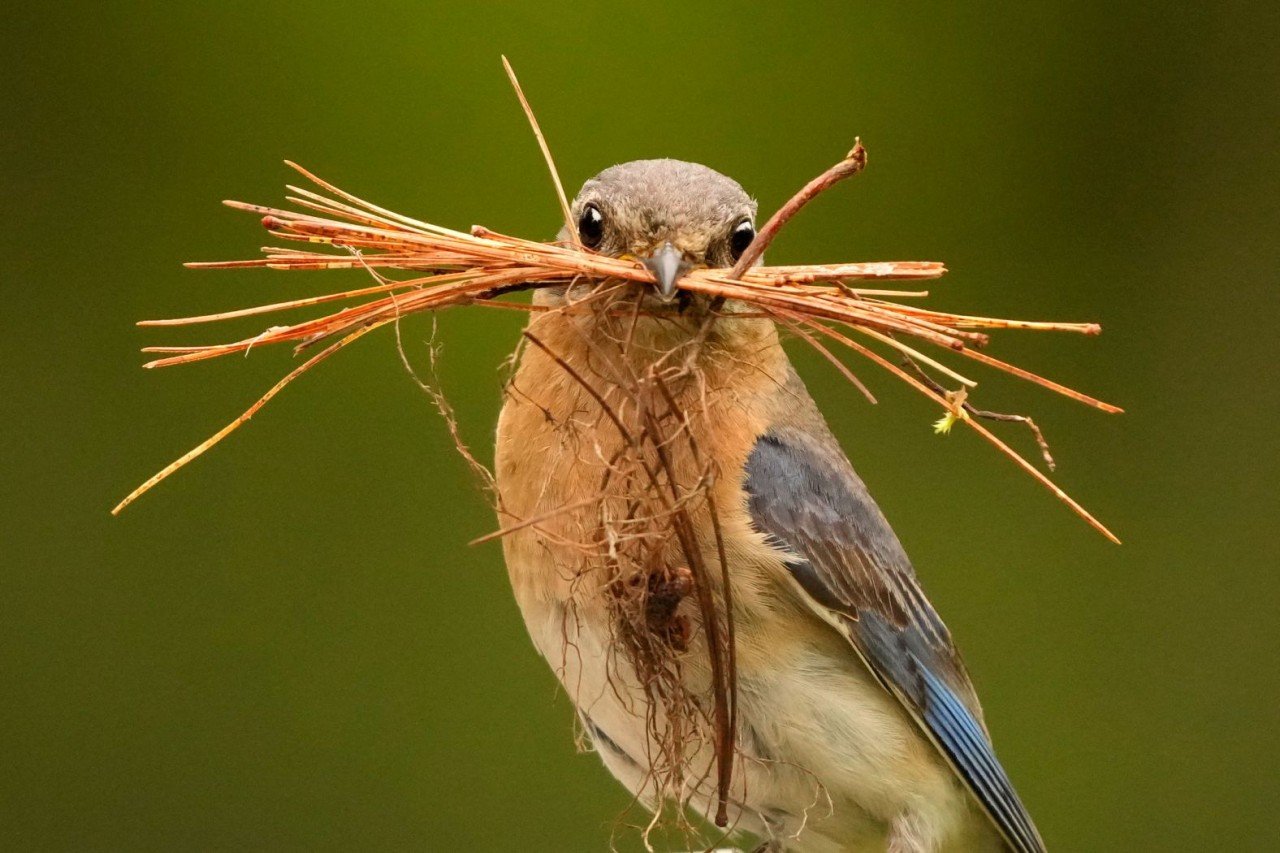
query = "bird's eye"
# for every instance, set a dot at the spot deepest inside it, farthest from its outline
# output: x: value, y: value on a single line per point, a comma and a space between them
x: 740, y: 238
x: 591, y: 226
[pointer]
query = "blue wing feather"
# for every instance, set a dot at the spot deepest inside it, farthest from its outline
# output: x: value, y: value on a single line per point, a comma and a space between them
x: 804, y: 495
x: 958, y: 734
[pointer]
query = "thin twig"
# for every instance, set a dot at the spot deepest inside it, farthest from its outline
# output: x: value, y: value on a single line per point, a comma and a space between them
x: 968, y: 407
x: 444, y: 407
x: 826, y: 353
x: 728, y: 737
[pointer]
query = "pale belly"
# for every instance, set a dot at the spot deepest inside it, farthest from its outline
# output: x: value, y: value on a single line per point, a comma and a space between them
x: 827, y: 758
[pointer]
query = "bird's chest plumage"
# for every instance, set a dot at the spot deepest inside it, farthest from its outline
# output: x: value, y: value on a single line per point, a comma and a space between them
x: 580, y: 449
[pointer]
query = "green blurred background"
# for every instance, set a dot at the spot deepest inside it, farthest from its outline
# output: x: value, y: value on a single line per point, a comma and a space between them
x: 291, y: 646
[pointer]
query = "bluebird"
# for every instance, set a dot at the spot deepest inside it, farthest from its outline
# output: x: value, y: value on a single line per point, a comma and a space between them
x: 858, y: 727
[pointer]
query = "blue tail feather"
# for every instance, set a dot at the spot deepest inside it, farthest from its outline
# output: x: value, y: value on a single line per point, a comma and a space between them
x: 966, y: 744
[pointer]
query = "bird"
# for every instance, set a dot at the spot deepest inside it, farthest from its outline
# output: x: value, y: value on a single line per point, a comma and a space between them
x: 857, y: 724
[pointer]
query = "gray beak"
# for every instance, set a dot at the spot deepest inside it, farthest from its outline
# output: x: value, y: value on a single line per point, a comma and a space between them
x: 667, y: 265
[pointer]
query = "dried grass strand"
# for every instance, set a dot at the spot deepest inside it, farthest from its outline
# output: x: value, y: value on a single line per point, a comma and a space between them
x: 546, y: 151
x: 248, y: 413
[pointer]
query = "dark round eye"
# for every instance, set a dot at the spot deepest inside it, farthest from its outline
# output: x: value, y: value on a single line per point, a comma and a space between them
x: 740, y: 238
x: 591, y: 226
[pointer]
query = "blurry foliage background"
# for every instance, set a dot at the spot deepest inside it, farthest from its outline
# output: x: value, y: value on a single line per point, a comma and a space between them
x: 290, y: 645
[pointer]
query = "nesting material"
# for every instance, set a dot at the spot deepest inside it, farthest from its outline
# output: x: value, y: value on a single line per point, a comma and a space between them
x: 436, y: 267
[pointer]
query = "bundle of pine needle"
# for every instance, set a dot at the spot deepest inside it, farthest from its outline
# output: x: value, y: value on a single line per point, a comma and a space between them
x: 438, y: 267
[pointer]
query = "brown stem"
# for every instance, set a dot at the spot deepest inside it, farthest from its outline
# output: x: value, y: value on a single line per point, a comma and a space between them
x: 727, y: 737
x: 683, y: 526
x: 853, y: 163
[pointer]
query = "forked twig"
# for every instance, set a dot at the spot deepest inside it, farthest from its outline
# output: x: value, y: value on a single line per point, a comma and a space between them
x: 985, y: 415
x: 853, y: 163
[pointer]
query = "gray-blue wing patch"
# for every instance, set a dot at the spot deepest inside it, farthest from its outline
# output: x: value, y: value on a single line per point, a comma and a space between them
x: 804, y: 495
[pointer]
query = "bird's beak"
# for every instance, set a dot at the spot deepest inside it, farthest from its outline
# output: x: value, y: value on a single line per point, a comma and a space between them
x: 667, y: 265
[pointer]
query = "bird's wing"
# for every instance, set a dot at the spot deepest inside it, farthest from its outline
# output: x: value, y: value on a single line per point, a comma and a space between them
x: 804, y: 495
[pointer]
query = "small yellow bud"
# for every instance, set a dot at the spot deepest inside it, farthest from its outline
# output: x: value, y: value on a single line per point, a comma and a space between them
x: 955, y: 412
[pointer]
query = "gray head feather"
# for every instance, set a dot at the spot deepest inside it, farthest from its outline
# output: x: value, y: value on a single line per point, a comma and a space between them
x: 646, y: 203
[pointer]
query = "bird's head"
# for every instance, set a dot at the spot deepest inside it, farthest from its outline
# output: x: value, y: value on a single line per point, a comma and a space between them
x: 670, y: 215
